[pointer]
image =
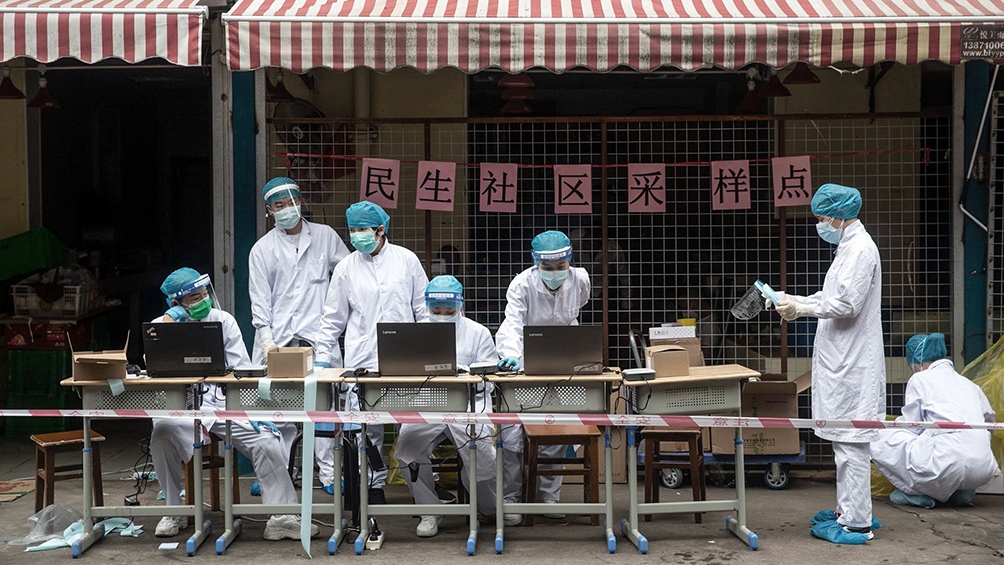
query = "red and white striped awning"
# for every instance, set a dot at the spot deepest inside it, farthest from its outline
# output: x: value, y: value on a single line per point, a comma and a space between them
x: 93, y: 30
x: 513, y: 35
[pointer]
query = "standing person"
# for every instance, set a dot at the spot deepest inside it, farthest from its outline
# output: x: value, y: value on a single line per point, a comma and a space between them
x: 379, y: 282
x: 848, y: 362
x: 189, y: 297
x: 444, y: 297
x: 929, y: 466
x: 288, y: 273
x: 550, y: 293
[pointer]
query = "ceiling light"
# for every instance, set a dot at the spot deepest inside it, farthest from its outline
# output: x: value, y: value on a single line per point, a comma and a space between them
x: 801, y: 74
x: 7, y: 89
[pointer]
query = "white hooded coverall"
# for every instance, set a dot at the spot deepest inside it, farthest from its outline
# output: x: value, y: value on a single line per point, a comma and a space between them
x: 364, y: 291
x: 938, y: 462
x: 416, y: 441
x: 171, y: 440
x: 848, y: 366
x: 530, y: 303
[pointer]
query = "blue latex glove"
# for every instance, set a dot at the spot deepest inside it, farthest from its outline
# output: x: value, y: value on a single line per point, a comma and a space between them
x: 508, y: 364
x: 177, y: 313
x: 322, y: 364
x: 255, y: 489
x: 267, y: 425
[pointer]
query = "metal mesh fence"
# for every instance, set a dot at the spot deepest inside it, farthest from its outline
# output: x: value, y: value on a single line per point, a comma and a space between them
x: 688, y: 262
x: 995, y: 238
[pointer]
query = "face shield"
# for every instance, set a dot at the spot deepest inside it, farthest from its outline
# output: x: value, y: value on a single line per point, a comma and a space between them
x: 444, y: 306
x: 197, y: 297
x: 283, y: 202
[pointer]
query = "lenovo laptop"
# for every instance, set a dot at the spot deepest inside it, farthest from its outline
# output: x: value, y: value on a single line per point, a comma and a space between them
x: 189, y: 349
x: 417, y: 349
x: 563, y: 350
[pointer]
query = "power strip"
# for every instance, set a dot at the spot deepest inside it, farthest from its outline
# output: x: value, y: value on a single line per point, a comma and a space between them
x: 375, y: 543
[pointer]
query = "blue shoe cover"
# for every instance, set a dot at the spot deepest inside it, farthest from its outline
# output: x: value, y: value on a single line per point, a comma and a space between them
x: 835, y: 533
x: 962, y: 498
x: 255, y: 489
x: 900, y: 498
x: 823, y: 516
x: 330, y: 489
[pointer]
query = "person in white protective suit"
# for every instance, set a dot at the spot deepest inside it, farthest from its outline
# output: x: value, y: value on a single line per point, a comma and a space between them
x: 445, y: 300
x: 930, y: 466
x: 550, y: 293
x: 379, y: 282
x: 848, y: 362
x: 189, y: 296
x: 288, y: 273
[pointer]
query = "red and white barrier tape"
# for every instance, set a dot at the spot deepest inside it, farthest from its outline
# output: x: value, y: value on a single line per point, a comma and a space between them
x: 503, y: 418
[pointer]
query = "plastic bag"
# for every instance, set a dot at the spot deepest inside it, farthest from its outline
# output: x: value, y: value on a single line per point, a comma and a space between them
x: 987, y: 371
x: 48, y: 523
x: 881, y: 486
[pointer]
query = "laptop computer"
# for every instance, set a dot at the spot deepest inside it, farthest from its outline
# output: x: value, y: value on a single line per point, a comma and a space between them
x: 190, y: 349
x: 417, y: 349
x: 563, y: 350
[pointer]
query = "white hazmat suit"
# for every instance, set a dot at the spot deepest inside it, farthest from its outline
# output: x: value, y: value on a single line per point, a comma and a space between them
x: 937, y: 463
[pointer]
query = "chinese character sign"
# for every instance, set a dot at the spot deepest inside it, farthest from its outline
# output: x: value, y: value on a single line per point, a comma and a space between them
x: 646, y: 188
x: 573, y: 189
x: 380, y: 182
x: 730, y: 185
x: 792, y: 181
x: 497, y: 187
x: 436, y: 186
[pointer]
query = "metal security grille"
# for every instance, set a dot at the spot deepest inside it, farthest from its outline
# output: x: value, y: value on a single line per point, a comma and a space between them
x: 689, y: 262
x: 281, y: 398
x: 130, y: 400
x: 995, y: 254
x: 414, y: 398
x: 550, y: 396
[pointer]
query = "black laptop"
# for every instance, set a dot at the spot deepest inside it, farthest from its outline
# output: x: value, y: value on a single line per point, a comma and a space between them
x: 189, y: 349
x: 562, y: 350
x: 417, y: 349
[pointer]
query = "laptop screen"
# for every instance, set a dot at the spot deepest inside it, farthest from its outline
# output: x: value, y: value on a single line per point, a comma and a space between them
x: 417, y: 349
x: 563, y: 350
x: 190, y: 349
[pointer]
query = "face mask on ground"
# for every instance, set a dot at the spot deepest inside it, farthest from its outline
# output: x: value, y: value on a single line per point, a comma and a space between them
x: 287, y: 218
x: 829, y: 233
x: 200, y: 309
x: 553, y: 279
x: 441, y: 318
x: 364, y: 241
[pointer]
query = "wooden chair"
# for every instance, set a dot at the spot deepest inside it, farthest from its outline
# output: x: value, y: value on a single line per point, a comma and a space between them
x: 212, y: 460
x: 47, y: 473
x: 656, y: 459
x: 538, y: 436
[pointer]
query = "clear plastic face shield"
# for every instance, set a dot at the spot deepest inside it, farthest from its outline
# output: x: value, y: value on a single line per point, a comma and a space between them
x: 553, y: 266
x: 444, y: 306
x: 197, y: 298
x: 283, y: 203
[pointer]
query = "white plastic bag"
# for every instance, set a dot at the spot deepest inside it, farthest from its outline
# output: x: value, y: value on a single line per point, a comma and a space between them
x: 48, y: 523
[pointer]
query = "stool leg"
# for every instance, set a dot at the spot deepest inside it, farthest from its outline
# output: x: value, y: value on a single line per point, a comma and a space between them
x: 40, y: 478
x: 189, y: 481
x: 651, y: 472
x: 592, y: 478
x: 50, y: 478
x: 530, y: 476
x: 695, y: 478
x: 99, y: 495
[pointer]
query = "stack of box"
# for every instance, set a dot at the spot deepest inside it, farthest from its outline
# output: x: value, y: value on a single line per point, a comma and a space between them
x: 772, y: 397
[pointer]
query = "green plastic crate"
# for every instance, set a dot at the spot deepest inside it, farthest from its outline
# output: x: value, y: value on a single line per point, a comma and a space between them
x: 31, y: 251
x: 37, y: 372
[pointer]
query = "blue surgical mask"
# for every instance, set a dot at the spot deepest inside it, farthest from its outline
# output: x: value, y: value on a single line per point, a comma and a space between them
x: 553, y: 279
x: 829, y: 233
x: 364, y: 241
x: 287, y: 218
x: 444, y: 318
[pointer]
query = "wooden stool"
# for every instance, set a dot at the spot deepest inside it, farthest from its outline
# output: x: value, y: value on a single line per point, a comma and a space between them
x: 212, y: 460
x: 536, y: 437
x: 47, y: 473
x: 655, y: 460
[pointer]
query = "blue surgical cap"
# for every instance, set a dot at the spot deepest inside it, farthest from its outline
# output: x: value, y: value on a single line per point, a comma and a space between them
x: 366, y: 214
x: 923, y: 348
x: 176, y: 280
x: 279, y: 188
x: 551, y: 246
x: 444, y: 290
x: 836, y: 201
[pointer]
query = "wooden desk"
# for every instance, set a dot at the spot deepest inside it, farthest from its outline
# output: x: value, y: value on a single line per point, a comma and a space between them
x: 143, y: 393
x: 707, y: 390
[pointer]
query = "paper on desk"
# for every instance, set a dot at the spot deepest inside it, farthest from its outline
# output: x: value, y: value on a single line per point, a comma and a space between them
x: 265, y: 388
x: 168, y: 545
x: 117, y: 386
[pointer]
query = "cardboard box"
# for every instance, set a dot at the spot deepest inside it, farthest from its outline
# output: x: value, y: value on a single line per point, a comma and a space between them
x: 290, y: 363
x: 668, y: 360
x: 100, y: 365
x: 765, y: 399
x: 691, y: 344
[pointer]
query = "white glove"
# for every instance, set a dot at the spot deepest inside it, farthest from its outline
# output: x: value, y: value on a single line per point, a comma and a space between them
x: 266, y: 341
x: 791, y: 309
x: 781, y: 297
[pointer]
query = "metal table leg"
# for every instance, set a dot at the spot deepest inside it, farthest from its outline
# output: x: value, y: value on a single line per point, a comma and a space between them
x: 608, y: 485
x: 363, y: 494
x: 92, y: 531
x: 738, y: 525
x: 499, y: 494
x: 629, y: 527
x: 233, y: 527
x: 203, y: 528
x: 339, y: 522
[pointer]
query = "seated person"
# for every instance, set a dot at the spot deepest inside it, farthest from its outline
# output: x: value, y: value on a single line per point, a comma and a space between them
x: 445, y: 300
x: 188, y: 296
x: 930, y: 466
